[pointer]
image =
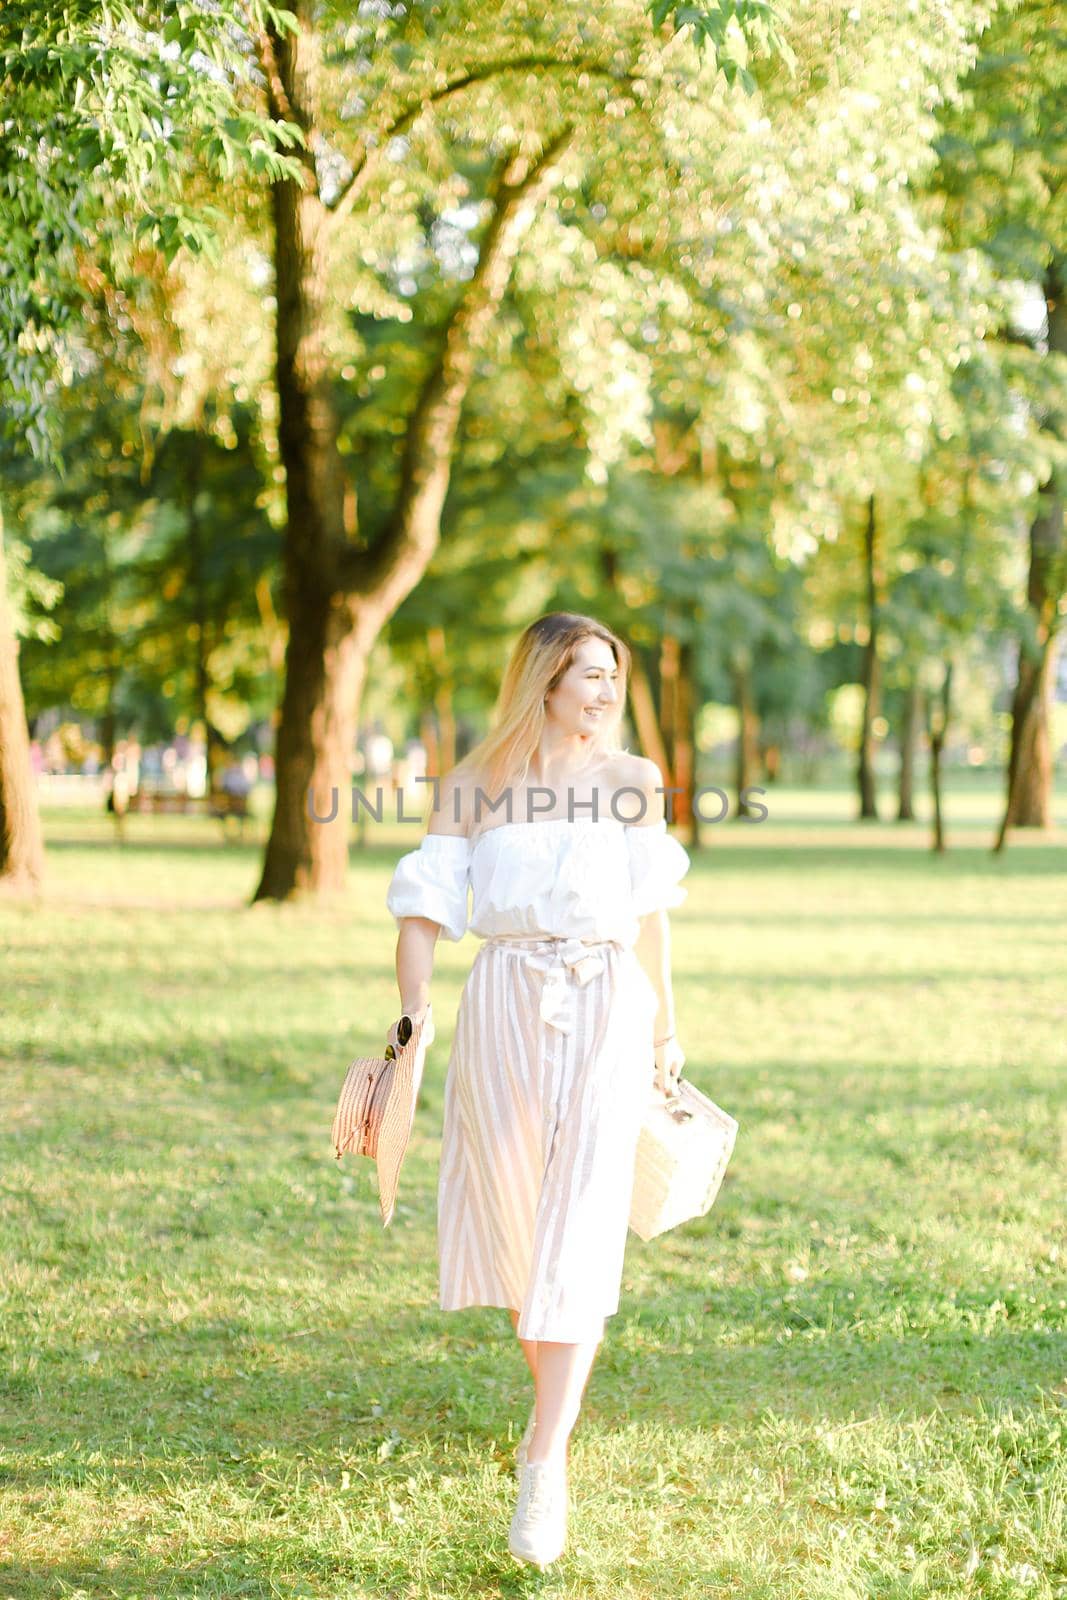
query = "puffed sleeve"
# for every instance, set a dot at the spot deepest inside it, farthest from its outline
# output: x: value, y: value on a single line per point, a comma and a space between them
x: 657, y: 863
x: 432, y: 882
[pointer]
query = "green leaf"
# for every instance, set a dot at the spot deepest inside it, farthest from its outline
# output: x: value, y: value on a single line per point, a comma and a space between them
x: 89, y: 155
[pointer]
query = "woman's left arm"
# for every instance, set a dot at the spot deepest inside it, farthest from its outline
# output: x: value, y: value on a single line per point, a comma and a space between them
x: 653, y: 950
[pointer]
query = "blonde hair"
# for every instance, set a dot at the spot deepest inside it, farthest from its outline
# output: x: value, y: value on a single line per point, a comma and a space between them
x: 536, y: 664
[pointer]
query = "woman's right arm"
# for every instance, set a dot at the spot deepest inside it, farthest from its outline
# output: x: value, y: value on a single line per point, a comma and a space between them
x: 418, y: 936
x: 414, y: 962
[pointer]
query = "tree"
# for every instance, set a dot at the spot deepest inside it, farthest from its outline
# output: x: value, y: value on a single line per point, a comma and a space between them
x: 158, y: 539
x: 101, y: 108
x: 104, y: 106
x: 809, y: 297
x: 1030, y: 768
x: 343, y: 583
x: 1002, y: 146
x: 21, y: 846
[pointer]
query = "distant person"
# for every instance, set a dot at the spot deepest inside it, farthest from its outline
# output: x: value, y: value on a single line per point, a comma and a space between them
x: 377, y: 774
x: 118, y: 793
x: 236, y: 785
x: 378, y: 751
x: 407, y: 768
x: 132, y: 754
x: 235, y: 780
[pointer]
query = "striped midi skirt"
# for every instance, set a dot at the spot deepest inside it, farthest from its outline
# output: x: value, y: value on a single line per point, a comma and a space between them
x: 548, y: 1081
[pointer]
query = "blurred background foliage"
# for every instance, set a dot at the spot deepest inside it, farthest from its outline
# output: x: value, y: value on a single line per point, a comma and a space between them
x: 771, y: 380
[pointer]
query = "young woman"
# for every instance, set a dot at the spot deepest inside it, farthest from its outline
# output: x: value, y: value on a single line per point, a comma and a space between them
x: 566, y: 1015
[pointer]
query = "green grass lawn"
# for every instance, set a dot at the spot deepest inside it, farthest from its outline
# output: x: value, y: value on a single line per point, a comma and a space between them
x: 219, y: 1377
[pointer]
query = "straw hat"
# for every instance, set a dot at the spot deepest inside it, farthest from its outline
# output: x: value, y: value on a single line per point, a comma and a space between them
x: 377, y: 1103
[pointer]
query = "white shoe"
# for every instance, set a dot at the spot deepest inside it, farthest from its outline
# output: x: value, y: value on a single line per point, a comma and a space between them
x: 524, y: 1442
x: 539, y: 1527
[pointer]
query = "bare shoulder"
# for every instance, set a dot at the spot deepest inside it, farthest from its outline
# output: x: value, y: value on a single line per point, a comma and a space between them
x: 452, y: 803
x: 638, y: 775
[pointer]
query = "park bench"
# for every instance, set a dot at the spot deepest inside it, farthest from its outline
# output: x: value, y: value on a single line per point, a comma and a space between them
x: 168, y: 802
x: 220, y: 804
x: 224, y: 804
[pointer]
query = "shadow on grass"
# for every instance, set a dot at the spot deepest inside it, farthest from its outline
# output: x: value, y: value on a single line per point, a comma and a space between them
x: 769, y: 859
x: 455, y: 1379
x: 431, y: 1405
x: 157, y: 846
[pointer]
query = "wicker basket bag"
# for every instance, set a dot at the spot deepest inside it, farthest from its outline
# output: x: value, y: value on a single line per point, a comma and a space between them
x: 685, y: 1144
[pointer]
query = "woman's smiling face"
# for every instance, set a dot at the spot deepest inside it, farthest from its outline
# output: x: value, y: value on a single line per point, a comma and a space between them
x: 588, y: 690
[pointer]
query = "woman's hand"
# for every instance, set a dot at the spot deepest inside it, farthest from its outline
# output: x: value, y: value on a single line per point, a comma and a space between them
x: 670, y: 1059
x: 395, y: 1043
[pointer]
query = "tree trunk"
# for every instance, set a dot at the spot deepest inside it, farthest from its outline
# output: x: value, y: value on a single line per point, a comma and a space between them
x: 685, y: 746
x: 113, y: 663
x: 214, y: 745
x: 675, y: 721
x: 443, y: 700
x: 938, y: 716
x: 428, y: 733
x: 325, y: 667
x: 21, y: 844
x: 668, y: 671
x: 747, y: 729
x: 909, y: 737
x: 339, y: 594
x: 311, y: 765
x: 872, y: 675
x: 109, y: 725
x: 643, y: 705
x: 1030, y: 765
x: 1028, y: 802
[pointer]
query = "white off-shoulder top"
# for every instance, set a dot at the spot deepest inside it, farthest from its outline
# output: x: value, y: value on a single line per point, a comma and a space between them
x: 571, y: 877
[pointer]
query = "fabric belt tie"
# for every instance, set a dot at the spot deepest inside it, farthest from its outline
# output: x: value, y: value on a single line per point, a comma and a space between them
x: 560, y: 960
